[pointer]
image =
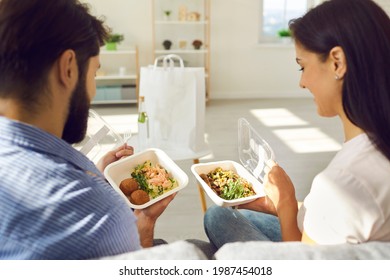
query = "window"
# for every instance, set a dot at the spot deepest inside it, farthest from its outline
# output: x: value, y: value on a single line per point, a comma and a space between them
x: 275, y: 15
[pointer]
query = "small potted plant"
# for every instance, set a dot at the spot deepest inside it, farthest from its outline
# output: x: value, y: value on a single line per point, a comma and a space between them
x: 167, y: 44
x: 285, y: 35
x: 167, y: 14
x: 113, y: 40
x: 197, y: 44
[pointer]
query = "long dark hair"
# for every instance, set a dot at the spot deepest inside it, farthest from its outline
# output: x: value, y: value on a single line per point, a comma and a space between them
x: 33, y: 34
x: 362, y: 29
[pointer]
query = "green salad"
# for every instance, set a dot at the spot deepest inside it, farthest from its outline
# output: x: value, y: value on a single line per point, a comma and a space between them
x: 153, y: 179
x: 227, y: 184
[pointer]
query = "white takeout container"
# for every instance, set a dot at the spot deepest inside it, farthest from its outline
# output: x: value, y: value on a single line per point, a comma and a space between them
x: 204, y: 168
x: 254, y: 153
x: 120, y: 170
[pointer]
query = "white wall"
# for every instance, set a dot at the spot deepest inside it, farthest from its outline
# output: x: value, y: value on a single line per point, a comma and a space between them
x: 240, y: 68
x: 131, y: 18
x: 385, y: 4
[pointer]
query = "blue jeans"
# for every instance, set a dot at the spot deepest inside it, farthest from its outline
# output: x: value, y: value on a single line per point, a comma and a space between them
x: 225, y: 225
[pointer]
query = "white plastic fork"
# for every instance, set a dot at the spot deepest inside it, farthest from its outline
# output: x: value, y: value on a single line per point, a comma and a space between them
x: 126, y: 136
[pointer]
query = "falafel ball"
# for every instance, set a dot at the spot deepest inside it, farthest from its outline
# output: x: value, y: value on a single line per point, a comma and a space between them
x: 128, y: 186
x: 139, y: 197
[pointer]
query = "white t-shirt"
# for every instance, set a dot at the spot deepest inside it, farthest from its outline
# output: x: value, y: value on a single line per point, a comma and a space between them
x: 350, y: 200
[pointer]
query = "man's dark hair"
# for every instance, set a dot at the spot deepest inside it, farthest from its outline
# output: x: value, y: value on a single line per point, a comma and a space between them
x: 33, y: 34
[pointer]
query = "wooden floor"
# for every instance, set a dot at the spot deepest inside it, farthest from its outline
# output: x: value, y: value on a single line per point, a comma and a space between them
x: 303, y: 143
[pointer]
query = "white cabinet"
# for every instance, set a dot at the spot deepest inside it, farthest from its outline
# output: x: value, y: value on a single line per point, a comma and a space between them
x: 117, y: 79
x: 188, y: 21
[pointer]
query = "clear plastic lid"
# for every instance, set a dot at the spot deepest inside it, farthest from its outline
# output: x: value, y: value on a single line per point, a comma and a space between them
x: 99, y: 139
x: 253, y: 150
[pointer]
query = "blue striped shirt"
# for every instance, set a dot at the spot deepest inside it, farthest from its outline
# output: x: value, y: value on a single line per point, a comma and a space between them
x: 54, y: 203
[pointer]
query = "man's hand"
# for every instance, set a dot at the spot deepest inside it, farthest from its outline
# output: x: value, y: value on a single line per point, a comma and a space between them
x: 147, y: 218
x: 112, y: 156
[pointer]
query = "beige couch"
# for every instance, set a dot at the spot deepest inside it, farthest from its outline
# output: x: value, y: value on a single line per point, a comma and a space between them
x: 183, y: 250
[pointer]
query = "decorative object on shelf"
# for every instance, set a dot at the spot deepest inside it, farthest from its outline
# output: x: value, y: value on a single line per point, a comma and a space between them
x: 118, y: 76
x: 167, y: 14
x: 100, y: 73
x: 285, y: 35
x: 182, y: 13
x: 189, y: 21
x: 197, y: 44
x: 167, y: 44
x: 122, y: 71
x: 182, y: 44
x: 113, y: 40
x: 193, y: 16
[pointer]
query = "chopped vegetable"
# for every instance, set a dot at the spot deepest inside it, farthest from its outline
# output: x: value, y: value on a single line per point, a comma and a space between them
x: 155, y: 180
x: 227, y: 184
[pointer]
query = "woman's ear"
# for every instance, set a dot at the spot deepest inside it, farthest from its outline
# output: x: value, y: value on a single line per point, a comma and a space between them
x: 67, y: 69
x: 338, y: 62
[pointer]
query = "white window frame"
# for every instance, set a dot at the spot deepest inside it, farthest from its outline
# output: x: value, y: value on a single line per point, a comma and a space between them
x: 265, y: 39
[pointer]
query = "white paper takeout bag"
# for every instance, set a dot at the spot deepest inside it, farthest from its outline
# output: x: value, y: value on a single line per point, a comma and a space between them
x: 175, y: 104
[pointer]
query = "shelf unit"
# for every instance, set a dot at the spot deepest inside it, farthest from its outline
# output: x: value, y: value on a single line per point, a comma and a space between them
x: 118, y: 78
x: 189, y: 20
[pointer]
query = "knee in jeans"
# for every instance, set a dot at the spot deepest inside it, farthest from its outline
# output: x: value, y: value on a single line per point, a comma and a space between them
x: 215, y: 214
x: 212, y: 213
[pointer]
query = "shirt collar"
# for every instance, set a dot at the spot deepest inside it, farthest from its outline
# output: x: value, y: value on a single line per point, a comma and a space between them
x: 33, y: 138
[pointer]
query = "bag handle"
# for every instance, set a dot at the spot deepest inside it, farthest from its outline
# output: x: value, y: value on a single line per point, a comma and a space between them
x: 169, y: 59
x: 172, y: 56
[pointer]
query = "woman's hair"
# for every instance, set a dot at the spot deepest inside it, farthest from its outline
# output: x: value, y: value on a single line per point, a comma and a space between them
x: 362, y: 29
x: 33, y: 34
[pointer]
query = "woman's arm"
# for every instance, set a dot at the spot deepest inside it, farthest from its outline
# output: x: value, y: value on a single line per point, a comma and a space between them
x: 280, y: 190
x: 288, y: 222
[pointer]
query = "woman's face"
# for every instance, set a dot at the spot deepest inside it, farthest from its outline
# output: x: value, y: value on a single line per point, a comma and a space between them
x: 319, y: 78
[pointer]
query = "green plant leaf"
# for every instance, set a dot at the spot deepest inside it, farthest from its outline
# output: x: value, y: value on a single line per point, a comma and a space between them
x: 284, y: 33
x: 115, y: 38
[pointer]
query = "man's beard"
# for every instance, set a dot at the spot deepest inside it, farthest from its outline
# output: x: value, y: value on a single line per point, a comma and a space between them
x: 76, y: 124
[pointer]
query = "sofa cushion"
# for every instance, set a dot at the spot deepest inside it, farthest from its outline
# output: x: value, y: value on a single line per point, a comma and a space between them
x: 178, y: 250
x: 299, y: 251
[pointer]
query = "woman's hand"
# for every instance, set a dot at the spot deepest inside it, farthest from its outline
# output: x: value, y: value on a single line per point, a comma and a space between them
x: 279, y: 188
x: 262, y: 204
x: 276, y: 181
x: 112, y: 156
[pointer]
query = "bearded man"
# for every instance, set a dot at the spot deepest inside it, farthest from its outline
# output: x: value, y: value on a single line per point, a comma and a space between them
x: 54, y: 202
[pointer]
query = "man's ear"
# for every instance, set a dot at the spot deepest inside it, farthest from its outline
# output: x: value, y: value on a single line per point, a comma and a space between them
x: 338, y: 62
x: 67, y: 69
